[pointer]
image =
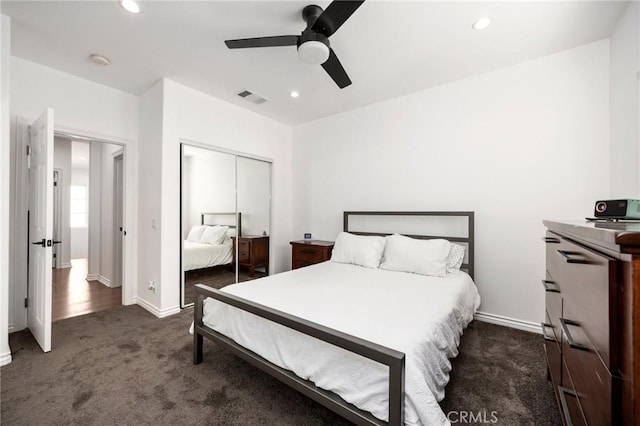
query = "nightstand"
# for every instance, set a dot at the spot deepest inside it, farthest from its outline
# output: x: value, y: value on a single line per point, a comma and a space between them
x: 253, y: 252
x: 309, y: 252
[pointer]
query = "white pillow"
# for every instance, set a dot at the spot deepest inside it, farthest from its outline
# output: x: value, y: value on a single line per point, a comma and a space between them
x: 358, y: 250
x: 455, y: 258
x: 425, y: 257
x: 196, y: 233
x: 214, y: 235
x: 231, y: 232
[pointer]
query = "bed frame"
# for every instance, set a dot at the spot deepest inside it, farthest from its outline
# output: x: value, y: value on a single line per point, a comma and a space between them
x: 237, y: 226
x: 395, y: 360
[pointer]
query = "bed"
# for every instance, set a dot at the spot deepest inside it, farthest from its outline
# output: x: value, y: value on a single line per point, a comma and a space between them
x: 199, y: 255
x: 346, y: 336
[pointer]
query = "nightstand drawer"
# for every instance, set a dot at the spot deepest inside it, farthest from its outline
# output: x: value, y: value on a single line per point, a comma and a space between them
x: 308, y: 254
x: 305, y: 253
x: 243, y: 247
x: 253, y: 252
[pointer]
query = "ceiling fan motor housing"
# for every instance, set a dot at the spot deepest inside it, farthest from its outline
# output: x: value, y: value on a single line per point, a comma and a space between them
x: 310, y: 14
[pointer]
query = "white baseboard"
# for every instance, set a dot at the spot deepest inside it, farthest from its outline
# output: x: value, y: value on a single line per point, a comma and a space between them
x: 160, y: 313
x: 532, y: 327
x: 106, y: 281
x: 12, y: 328
x: 5, y: 359
x: 64, y: 265
x: 101, y: 279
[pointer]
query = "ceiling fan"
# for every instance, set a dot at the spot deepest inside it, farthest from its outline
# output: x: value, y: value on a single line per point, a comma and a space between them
x: 313, y: 44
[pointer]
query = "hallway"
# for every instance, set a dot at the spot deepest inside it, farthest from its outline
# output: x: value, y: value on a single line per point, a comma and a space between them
x: 73, y: 295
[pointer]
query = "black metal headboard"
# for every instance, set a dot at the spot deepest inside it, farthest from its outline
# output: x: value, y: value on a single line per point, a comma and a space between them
x: 469, y: 266
x: 237, y: 227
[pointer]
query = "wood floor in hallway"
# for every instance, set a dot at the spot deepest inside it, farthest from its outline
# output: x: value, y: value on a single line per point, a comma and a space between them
x: 73, y: 295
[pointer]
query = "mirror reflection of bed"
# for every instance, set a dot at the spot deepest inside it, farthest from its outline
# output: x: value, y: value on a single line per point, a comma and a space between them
x: 225, y: 219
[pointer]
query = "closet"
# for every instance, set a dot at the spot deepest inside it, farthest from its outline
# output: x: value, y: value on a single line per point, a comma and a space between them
x: 225, y: 217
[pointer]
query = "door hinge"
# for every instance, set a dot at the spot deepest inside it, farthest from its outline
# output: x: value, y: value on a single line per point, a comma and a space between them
x: 28, y: 149
x: 26, y: 302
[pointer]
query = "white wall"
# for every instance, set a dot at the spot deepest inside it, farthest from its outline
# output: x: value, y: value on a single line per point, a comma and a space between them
x: 211, y: 185
x: 253, y: 196
x: 5, y: 180
x: 80, y: 235
x: 516, y: 145
x: 150, y: 173
x: 95, y: 211
x: 62, y: 161
x: 625, y: 105
x: 192, y: 115
x: 106, y: 217
x: 83, y: 107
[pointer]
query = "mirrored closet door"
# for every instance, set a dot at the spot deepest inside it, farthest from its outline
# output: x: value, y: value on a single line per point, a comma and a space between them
x: 225, y: 218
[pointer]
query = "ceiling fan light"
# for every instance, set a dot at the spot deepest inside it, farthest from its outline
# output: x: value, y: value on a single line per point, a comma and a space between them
x: 130, y: 6
x: 313, y: 52
x: 481, y: 23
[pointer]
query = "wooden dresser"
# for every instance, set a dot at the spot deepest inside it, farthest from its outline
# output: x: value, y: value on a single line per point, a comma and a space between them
x: 592, y: 326
x: 309, y: 252
x: 253, y: 252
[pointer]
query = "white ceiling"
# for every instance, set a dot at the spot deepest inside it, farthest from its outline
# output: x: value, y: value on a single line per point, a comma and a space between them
x: 388, y: 48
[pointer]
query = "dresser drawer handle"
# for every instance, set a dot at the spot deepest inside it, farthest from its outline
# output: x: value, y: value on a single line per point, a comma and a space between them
x: 563, y: 402
x: 564, y: 323
x: 551, y: 240
x: 547, y: 283
x: 571, y: 257
x: 544, y: 326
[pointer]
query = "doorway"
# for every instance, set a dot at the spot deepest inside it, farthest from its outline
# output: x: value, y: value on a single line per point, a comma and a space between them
x: 88, y: 188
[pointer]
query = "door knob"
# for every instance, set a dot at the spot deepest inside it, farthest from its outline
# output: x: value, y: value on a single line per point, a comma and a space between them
x: 42, y: 243
x: 56, y: 242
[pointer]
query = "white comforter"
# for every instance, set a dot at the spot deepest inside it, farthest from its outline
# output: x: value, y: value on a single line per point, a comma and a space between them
x: 201, y: 255
x: 418, y: 315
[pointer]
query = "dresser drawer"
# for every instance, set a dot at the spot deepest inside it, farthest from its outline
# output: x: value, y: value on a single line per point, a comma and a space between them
x: 553, y: 303
x: 585, y: 279
x: 590, y: 377
x: 569, y: 402
x: 554, y: 358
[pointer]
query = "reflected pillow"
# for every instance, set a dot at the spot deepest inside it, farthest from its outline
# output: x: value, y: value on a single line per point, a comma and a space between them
x: 196, y: 233
x: 424, y: 257
x: 455, y: 258
x: 214, y: 235
x: 358, y: 250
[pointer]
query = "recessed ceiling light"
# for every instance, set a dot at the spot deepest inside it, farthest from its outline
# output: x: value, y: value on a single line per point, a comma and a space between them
x: 294, y: 94
x: 99, y: 59
x: 481, y: 23
x: 130, y: 6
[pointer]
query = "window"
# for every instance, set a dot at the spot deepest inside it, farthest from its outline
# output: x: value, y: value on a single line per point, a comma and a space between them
x: 78, y: 210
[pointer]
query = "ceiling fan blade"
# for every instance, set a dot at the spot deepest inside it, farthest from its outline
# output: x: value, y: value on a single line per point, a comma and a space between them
x: 288, y: 40
x: 334, y: 68
x: 334, y: 16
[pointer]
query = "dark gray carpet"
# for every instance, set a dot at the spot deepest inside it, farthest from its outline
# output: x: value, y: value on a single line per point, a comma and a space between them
x: 126, y: 367
x: 216, y: 277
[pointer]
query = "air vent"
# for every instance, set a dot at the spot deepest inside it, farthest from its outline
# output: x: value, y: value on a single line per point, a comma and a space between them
x: 252, y: 97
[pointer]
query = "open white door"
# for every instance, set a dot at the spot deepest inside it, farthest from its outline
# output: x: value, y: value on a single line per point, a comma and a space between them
x: 40, y: 229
